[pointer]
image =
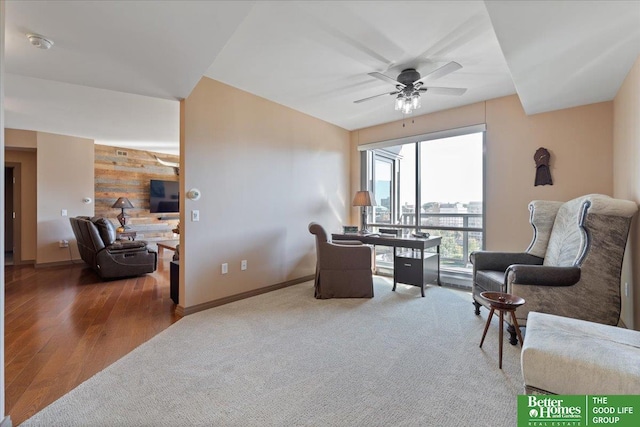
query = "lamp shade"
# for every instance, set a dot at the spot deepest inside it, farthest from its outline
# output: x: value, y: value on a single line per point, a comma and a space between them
x: 122, y: 203
x: 363, y: 198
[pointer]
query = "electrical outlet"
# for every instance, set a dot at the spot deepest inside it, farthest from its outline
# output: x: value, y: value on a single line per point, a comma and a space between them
x: 63, y: 212
x: 225, y: 268
x: 63, y: 243
x: 243, y: 264
x: 195, y: 215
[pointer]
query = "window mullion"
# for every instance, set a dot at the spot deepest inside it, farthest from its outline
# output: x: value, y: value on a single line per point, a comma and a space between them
x: 418, y: 207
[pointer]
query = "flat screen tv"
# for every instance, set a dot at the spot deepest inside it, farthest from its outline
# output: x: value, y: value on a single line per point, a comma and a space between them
x: 164, y: 196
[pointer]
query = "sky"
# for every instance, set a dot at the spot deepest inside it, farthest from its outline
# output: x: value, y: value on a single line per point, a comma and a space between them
x: 451, y: 170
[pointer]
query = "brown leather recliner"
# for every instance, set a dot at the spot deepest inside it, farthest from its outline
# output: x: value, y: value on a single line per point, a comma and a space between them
x: 343, y: 269
x: 111, y: 258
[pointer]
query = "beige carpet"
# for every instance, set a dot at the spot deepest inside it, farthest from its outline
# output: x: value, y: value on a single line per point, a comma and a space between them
x: 287, y: 359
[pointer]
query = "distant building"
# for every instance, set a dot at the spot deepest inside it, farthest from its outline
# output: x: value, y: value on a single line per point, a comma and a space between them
x: 474, y: 207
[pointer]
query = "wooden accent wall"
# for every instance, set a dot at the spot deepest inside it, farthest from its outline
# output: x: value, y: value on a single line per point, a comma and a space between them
x: 118, y: 175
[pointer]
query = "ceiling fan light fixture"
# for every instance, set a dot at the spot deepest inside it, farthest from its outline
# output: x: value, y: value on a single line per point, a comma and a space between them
x: 415, y: 100
x: 39, y: 41
x: 410, y: 84
x: 399, y: 102
x: 407, y: 108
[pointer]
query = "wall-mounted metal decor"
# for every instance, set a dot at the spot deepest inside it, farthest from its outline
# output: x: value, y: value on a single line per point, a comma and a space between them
x: 543, y: 174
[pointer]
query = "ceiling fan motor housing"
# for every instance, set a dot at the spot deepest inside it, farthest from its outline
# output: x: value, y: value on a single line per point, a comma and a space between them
x: 408, y: 76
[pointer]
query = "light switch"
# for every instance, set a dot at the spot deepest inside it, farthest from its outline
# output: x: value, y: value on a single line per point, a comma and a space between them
x: 63, y: 212
x: 195, y: 215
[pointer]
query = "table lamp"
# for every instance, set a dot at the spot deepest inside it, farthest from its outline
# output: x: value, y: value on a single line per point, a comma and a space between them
x: 364, y: 199
x: 123, y: 203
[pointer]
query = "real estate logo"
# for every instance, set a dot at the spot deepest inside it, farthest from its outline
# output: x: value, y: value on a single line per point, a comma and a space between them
x: 554, y: 410
x: 578, y: 410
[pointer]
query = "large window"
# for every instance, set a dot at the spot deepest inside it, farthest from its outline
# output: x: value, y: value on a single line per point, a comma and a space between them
x: 435, y: 185
x: 451, y: 196
x: 383, y: 181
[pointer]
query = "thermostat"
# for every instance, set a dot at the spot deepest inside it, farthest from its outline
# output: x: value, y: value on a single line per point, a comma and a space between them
x: 193, y: 194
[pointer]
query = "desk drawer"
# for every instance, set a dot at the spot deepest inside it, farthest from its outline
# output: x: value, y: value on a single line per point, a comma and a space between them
x: 408, y: 270
x: 416, y: 271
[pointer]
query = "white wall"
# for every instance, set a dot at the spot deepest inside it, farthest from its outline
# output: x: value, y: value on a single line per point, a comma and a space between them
x: 265, y: 171
x: 21, y: 139
x: 580, y: 141
x: 65, y: 167
x: 626, y: 179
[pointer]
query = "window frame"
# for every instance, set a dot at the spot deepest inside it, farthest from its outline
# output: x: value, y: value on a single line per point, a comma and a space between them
x: 371, y: 150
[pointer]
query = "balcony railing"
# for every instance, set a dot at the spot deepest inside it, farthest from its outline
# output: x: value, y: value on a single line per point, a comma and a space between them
x: 462, y: 233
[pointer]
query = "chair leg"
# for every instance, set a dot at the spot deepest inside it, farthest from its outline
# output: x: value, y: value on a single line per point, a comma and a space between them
x: 477, y: 305
x: 513, y: 337
x: 517, y: 327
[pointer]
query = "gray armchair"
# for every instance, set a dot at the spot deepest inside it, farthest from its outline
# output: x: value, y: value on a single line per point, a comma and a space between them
x: 343, y: 269
x: 572, y: 266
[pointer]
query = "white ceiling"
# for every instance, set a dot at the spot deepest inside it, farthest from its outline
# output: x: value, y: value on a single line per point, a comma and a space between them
x: 563, y: 54
x: 118, y: 69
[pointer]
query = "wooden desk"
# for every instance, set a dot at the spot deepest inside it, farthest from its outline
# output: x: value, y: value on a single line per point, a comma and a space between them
x: 409, y: 267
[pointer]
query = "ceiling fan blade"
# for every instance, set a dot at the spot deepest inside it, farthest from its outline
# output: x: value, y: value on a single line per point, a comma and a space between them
x: 386, y: 79
x: 374, y: 96
x: 441, y: 72
x: 444, y: 90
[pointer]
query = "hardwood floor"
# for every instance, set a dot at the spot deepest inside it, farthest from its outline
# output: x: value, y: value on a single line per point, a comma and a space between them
x: 63, y: 325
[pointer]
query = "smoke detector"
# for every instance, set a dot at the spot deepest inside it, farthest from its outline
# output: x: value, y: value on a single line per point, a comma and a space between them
x: 39, y: 41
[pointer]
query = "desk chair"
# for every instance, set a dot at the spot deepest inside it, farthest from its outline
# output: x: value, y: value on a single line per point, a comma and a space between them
x: 343, y: 270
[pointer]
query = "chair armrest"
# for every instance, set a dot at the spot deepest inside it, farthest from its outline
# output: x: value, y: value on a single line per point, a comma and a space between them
x: 347, y: 242
x: 500, y: 261
x: 125, y: 245
x: 541, y: 275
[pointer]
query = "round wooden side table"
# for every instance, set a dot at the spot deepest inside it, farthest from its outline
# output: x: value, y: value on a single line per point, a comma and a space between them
x: 502, y: 302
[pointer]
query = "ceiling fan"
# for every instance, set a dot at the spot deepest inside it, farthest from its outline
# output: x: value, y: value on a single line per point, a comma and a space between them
x: 410, y: 85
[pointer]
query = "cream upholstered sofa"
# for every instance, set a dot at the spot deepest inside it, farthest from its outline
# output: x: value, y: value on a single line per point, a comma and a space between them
x: 561, y: 355
x: 572, y: 266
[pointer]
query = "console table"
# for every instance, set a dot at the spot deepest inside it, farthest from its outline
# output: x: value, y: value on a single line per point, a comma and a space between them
x: 130, y: 235
x: 166, y: 244
x: 412, y: 264
x: 174, y: 281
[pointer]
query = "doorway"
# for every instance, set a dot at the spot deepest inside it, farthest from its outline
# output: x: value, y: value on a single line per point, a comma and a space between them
x: 11, y: 214
x: 8, y: 216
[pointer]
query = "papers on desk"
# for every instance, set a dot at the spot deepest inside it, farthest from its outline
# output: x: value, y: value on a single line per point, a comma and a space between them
x: 420, y: 235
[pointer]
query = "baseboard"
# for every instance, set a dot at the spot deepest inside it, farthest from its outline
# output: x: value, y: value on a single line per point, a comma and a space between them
x: 52, y: 264
x: 182, y: 311
x: 58, y: 264
x: 6, y: 422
